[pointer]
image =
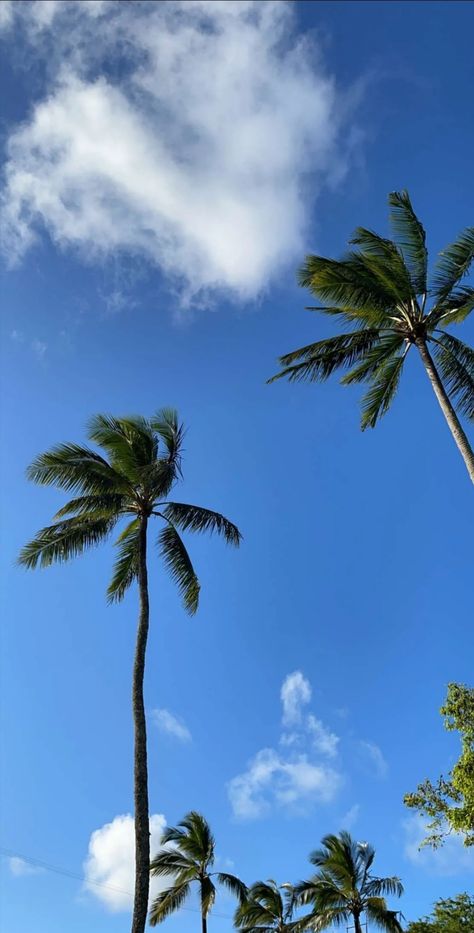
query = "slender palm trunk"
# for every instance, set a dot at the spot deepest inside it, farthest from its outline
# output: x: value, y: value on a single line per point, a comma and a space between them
x: 447, y: 409
x: 204, y: 923
x: 357, y: 923
x: 142, y: 822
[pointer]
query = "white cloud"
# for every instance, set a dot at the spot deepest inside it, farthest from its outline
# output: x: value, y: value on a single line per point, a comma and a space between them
x: 376, y: 760
x: 324, y: 741
x: 294, y: 776
x: 350, y: 818
x: 452, y: 858
x: 295, y: 693
x: 19, y: 867
x: 110, y: 865
x: 206, y: 158
x: 166, y: 722
x: 271, y: 779
x: 6, y: 14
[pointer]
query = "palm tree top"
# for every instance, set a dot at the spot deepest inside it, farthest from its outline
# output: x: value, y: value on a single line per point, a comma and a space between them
x: 382, y: 289
x: 344, y: 886
x: 188, y: 855
x: 266, y: 909
x: 130, y: 478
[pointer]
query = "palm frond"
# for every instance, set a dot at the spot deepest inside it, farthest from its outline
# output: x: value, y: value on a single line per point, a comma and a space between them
x: 105, y: 503
x: 319, y: 360
x: 383, y: 260
x: 129, y: 442
x: 348, y: 283
x: 180, y: 567
x: 382, y: 391
x: 389, y: 344
x: 76, y: 468
x: 64, y: 540
x: 453, y: 263
x: 454, y: 309
x: 198, y: 840
x: 167, y: 903
x: 127, y: 563
x: 172, y: 862
x: 379, y: 887
x: 456, y: 366
x: 384, y: 919
x: 208, y: 895
x: 233, y: 884
x: 194, y: 518
x: 411, y: 237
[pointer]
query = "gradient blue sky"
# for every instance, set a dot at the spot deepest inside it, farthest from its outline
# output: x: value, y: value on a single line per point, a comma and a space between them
x: 356, y: 565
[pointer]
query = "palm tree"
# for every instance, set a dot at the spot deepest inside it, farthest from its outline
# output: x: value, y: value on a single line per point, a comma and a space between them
x: 266, y: 909
x: 381, y: 289
x: 141, y: 463
x: 344, y: 888
x: 189, y: 859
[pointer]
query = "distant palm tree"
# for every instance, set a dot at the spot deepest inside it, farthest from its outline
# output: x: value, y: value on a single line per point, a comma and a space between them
x: 343, y: 888
x: 382, y: 290
x: 267, y: 910
x: 189, y: 859
x: 131, y: 481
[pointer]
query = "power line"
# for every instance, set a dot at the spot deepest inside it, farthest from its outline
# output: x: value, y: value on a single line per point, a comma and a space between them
x: 38, y: 863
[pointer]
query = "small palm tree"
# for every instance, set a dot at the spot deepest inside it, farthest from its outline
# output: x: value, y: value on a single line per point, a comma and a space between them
x: 131, y: 479
x: 266, y: 909
x: 189, y: 859
x: 381, y: 289
x: 344, y: 888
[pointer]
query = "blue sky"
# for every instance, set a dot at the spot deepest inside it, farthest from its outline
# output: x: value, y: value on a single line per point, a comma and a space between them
x: 153, y: 228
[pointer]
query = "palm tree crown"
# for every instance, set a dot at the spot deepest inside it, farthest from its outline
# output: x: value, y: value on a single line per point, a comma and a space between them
x: 141, y: 463
x: 266, y: 909
x: 187, y: 856
x: 343, y: 887
x: 381, y: 289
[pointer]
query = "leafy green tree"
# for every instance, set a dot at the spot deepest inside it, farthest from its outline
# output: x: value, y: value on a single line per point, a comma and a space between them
x: 449, y: 803
x: 187, y: 857
x: 139, y: 463
x: 343, y: 888
x: 267, y: 910
x: 450, y: 915
x: 381, y: 290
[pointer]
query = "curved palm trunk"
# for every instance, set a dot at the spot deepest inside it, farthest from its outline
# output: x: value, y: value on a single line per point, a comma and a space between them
x: 447, y: 409
x: 142, y: 822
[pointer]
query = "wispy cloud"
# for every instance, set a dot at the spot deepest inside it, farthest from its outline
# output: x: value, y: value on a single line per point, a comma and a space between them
x: 167, y: 722
x: 20, y: 867
x: 350, y: 818
x: 110, y: 865
x: 204, y: 152
x: 452, y: 858
x: 374, y: 758
x: 293, y: 777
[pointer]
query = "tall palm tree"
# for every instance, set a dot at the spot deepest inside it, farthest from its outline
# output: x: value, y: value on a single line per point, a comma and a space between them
x: 131, y: 479
x: 266, y: 909
x: 381, y: 289
x: 189, y: 858
x: 343, y: 887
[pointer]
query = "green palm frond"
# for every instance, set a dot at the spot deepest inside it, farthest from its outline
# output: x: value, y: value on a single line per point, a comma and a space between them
x: 172, y: 862
x: 233, y: 884
x: 456, y: 366
x: 389, y: 345
x: 348, y: 283
x: 180, y: 567
x: 130, y: 442
x: 64, y: 540
x: 453, y: 264
x: 127, y: 563
x: 383, y: 260
x: 76, y: 468
x: 411, y: 237
x: 382, y: 391
x: 167, y: 903
x: 207, y: 895
x: 320, y: 359
x: 198, y: 840
x: 382, y: 918
x: 454, y: 309
x: 106, y: 504
x: 194, y: 518
x: 379, y: 887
